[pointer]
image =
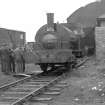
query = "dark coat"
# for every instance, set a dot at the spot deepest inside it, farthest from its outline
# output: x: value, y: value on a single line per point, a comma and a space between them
x: 5, y: 59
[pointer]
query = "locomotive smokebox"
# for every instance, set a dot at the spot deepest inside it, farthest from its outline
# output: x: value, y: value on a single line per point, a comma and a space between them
x: 50, y: 20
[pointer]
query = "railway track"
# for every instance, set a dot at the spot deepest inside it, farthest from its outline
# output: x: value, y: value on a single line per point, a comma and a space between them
x: 28, y: 89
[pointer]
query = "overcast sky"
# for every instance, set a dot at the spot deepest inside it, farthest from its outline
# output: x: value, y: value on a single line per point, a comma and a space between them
x: 29, y: 15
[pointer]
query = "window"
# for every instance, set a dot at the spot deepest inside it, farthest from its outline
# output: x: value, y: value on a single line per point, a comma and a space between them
x: 21, y: 36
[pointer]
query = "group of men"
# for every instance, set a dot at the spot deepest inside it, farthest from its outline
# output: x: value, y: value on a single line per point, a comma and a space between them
x: 12, y: 61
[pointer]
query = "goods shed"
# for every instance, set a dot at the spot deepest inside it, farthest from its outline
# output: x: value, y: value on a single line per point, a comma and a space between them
x: 13, y: 38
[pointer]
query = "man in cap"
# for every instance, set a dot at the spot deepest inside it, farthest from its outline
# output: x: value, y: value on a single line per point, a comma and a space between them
x: 12, y: 60
x: 18, y: 59
x: 23, y: 50
x: 5, y: 58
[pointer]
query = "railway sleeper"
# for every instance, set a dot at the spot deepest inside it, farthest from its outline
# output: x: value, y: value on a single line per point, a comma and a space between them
x: 39, y: 99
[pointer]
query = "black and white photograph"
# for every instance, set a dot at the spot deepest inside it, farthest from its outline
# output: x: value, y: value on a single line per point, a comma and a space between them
x: 52, y: 52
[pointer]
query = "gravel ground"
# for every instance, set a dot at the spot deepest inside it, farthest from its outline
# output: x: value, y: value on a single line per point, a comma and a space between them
x: 86, y: 86
x: 5, y: 79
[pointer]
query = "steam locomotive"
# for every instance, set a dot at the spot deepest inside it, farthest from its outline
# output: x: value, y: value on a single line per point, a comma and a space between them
x: 56, y: 45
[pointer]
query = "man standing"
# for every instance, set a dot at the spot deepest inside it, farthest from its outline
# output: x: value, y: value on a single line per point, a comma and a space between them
x: 23, y: 62
x: 5, y: 59
x: 12, y: 60
x: 22, y: 50
x: 18, y: 60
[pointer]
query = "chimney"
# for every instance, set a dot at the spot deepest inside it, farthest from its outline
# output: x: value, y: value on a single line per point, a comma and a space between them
x: 50, y: 20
